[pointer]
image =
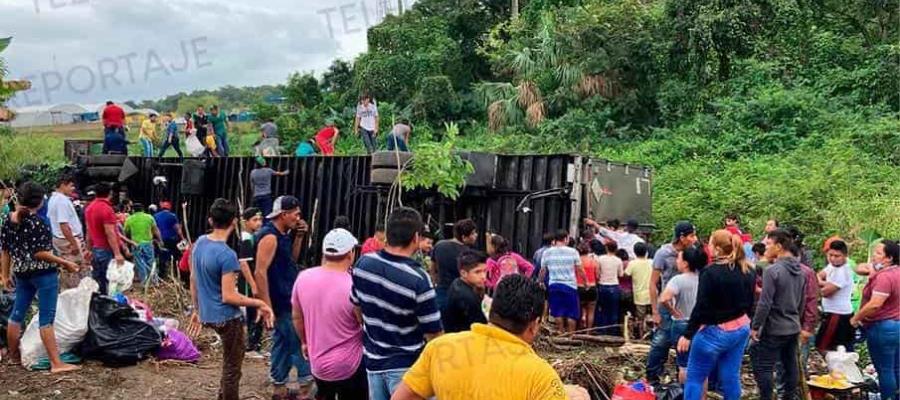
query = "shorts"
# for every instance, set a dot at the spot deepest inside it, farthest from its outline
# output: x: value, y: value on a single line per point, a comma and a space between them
x: 587, y: 294
x: 641, y: 311
x: 835, y: 331
x: 563, y: 301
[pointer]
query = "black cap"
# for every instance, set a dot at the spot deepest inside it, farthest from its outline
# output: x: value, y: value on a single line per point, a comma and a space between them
x: 683, y: 228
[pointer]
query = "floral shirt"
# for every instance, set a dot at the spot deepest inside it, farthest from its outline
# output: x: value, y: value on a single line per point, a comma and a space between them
x: 23, y: 240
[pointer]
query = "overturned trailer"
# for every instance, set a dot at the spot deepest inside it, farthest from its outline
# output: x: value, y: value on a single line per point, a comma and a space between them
x: 517, y: 196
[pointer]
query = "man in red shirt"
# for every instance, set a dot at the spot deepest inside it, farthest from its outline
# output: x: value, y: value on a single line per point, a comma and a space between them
x: 100, y: 220
x: 114, y: 129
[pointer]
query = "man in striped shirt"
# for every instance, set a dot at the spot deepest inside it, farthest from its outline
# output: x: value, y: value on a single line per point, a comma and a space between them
x: 397, y: 304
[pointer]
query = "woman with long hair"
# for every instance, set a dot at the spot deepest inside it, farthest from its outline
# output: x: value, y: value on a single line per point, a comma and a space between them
x: 503, y: 262
x: 880, y: 316
x: 719, y: 326
x: 27, y: 255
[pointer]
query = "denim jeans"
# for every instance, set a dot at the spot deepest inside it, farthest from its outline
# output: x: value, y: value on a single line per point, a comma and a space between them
x: 368, y: 138
x: 607, y: 309
x: 143, y: 262
x: 660, y: 344
x: 769, y: 350
x: 883, y: 339
x: 286, y: 353
x: 396, y: 142
x: 383, y: 383
x: 222, y: 143
x: 46, y: 286
x: 264, y: 204
x: 171, y: 141
x: 146, y: 147
x: 676, y: 329
x: 114, y: 141
x: 716, y: 349
x: 99, y: 265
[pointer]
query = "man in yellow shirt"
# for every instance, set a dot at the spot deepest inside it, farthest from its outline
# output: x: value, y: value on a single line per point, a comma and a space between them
x: 493, y: 361
x: 148, y: 135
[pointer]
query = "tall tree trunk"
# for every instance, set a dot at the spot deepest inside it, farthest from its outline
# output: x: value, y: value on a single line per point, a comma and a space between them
x: 399, y: 7
x: 514, y: 8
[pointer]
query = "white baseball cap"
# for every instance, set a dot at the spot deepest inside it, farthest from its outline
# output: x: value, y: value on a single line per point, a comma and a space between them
x: 338, y: 242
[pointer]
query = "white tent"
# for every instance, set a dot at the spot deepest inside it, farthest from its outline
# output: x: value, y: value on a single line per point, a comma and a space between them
x: 40, y: 116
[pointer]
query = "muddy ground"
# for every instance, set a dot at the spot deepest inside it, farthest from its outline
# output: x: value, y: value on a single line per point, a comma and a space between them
x: 148, y: 380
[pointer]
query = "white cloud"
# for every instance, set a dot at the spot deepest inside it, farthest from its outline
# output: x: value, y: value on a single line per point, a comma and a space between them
x: 92, y: 50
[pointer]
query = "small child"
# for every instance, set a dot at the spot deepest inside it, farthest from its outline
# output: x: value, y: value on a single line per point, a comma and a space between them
x: 376, y: 242
x: 466, y: 293
x: 640, y: 270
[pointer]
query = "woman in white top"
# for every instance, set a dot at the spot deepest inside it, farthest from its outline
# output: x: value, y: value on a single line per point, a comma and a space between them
x: 609, y: 293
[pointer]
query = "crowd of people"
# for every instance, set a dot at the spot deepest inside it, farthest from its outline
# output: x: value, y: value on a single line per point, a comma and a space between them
x: 206, y: 134
x: 399, y: 316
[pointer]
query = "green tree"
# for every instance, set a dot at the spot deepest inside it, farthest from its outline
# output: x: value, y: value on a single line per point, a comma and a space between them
x: 189, y: 104
x: 302, y: 91
x: 265, y: 111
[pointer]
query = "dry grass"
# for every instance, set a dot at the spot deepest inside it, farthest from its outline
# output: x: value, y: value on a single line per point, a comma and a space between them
x: 529, y: 94
x: 535, y: 114
x: 496, y: 115
x: 593, y: 85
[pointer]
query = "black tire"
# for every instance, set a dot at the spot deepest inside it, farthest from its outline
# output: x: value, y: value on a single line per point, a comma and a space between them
x: 388, y: 159
x: 383, y: 176
x: 104, y: 173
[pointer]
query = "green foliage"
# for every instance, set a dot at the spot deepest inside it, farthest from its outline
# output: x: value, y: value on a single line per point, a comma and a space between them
x: 435, y: 100
x: 302, y: 91
x: 437, y: 165
x: 264, y: 111
x: 403, y: 50
x: 189, y: 104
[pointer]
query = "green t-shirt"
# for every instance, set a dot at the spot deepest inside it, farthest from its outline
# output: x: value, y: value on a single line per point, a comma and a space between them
x: 139, y: 227
x: 218, y: 123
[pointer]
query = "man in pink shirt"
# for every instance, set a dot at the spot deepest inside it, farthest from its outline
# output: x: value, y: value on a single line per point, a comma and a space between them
x: 329, y: 328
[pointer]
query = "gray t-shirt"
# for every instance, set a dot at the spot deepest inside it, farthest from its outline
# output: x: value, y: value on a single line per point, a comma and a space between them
x: 665, y: 262
x: 269, y: 130
x: 261, y: 180
x: 684, y: 287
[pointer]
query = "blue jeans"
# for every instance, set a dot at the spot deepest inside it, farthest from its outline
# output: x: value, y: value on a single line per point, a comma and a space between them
x: 883, y: 339
x: 396, y: 142
x: 171, y: 141
x: 660, y: 344
x: 46, y: 286
x: 99, y: 265
x: 368, y: 138
x: 607, y: 309
x: 143, y: 261
x: 222, y: 142
x: 716, y: 350
x: 286, y: 353
x: 146, y: 147
x: 383, y: 383
x: 114, y: 141
x: 264, y: 204
x: 676, y: 329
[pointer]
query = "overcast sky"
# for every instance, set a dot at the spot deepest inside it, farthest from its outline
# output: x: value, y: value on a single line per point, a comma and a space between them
x: 88, y: 51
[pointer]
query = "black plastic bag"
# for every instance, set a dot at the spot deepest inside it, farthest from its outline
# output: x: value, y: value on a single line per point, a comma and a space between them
x: 116, y: 336
x: 672, y: 391
x: 6, y: 306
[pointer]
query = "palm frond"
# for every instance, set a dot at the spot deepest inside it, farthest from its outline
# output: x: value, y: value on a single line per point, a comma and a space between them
x: 529, y: 94
x: 496, y: 115
x: 489, y: 92
x: 535, y: 114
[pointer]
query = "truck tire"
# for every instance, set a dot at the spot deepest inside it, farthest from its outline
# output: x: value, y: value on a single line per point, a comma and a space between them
x: 101, y: 160
x: 383, y: 176
x: 388, y: 159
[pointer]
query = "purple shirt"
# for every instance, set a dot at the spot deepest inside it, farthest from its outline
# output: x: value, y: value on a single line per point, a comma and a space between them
x: 333, y: 334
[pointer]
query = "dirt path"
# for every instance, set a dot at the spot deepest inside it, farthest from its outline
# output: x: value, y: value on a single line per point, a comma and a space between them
x: 149, y: 380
